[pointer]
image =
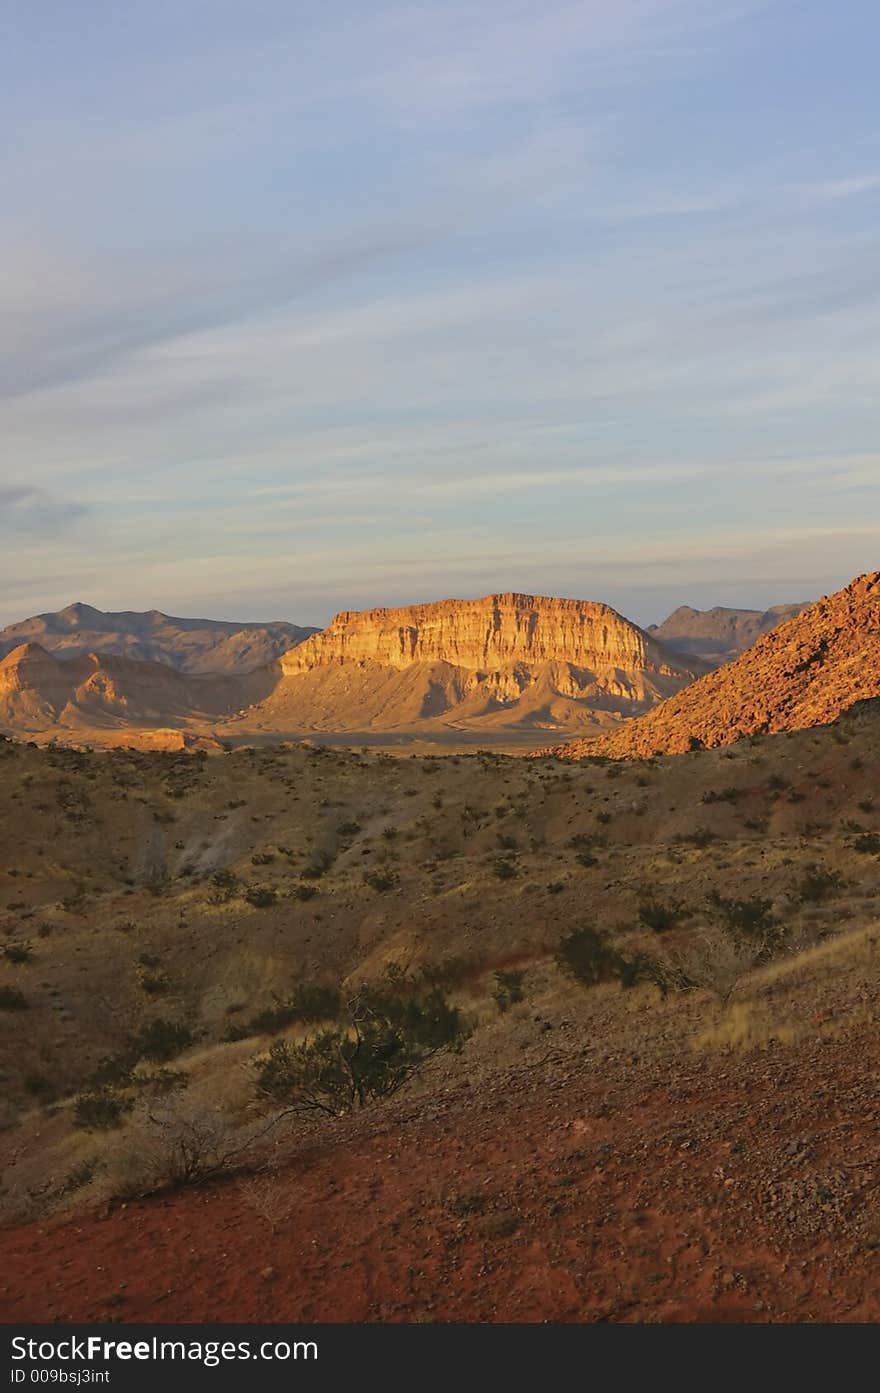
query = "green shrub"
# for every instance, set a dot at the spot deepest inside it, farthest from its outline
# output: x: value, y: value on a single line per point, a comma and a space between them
x: 750, y: 918
x: 361, y: 1062
x: 11, y: 999
x: 700, y: 837
x: 162, y: 1040
x: 261, y: 896
x: 20, y: 952
x: 868, y: 842
x: 658, y: 916
x: 817, y: 884
x: 381, y: 880
x: 225, y: 884
x: 508, y: 989
x: 99, y: 1109
x: 308, y: 1002
x: 586, y: 954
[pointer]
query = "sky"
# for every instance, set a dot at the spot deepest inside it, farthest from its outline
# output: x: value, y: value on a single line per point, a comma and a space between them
x: 306, y: 307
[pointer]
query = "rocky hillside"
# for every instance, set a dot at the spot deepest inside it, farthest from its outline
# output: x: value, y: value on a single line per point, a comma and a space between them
x: 803, y: 673
x: 190, y: 645
x: 719, y: 635
x: 40, y: 694
x: 501, y: 661
x: 591, y: 1153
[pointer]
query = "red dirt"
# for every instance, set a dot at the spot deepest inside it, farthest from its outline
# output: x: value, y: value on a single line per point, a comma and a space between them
x: 587, y: 1189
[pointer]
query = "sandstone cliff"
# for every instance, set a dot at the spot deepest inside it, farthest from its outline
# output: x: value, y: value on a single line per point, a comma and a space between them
x: 506, y: 660
x: 803, y: 673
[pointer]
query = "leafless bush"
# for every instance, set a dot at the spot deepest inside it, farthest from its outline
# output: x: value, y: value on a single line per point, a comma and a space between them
x: 270, y: 1197
x: 177, y: 1141
x: 713, y: 960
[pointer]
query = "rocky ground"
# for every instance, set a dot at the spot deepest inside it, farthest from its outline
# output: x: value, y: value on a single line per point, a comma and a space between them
x: 741, y: 1187
x: 591, y: 1153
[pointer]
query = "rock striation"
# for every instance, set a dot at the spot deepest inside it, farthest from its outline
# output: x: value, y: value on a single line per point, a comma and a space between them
x: 502, y: 660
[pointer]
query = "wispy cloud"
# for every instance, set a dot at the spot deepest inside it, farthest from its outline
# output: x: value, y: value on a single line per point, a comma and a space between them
x: 429, y: 293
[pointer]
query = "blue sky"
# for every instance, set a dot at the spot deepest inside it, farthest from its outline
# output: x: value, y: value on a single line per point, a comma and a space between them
x: 320, y: 306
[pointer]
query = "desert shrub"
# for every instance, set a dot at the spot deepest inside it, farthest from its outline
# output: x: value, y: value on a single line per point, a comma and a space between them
x: 508, y: 989
x: 721, y: 795
x: 749, y: 918
x: 587, y: 955
x: 504, y: 868
x: 658, y: 916
x: 99, y: 1109
x: 20, y: 952
x: 868, y: 843
x: 700, y: 837
x: 261, y: 896
x: 270, y: 1197
x: 384, y: 1043
x: 225, y: 883
x: 817, y: 884
x: 381, y: 880
x: 39, y: 1086
x: 161, y: 1082
x: 262, y: 858
x: 11, y: 999
x: 347, y: 830
x: 154, y: 983
x: 163, y: 1040
x: 304, y: 892
x: 586, y: 859
x: 317, y: 866
x: 308, y: 1002
x: 114, y: 1070
x: 176, y: 1141
x: 713, y: 960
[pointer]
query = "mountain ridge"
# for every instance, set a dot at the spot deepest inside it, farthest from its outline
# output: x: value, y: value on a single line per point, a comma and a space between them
x: 188, y: 645
x: 805, y: 672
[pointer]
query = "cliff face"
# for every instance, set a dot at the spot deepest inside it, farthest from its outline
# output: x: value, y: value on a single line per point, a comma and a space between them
x: 501, y: 662
x: 487, y: 635
x: 803, y: 673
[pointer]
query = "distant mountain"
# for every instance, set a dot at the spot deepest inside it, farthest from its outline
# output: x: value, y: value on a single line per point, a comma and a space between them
x: 803, y: 673
x: 189, y: 645
x: 719, y: 635
x: 505, y: 661
x: 39, y: 694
